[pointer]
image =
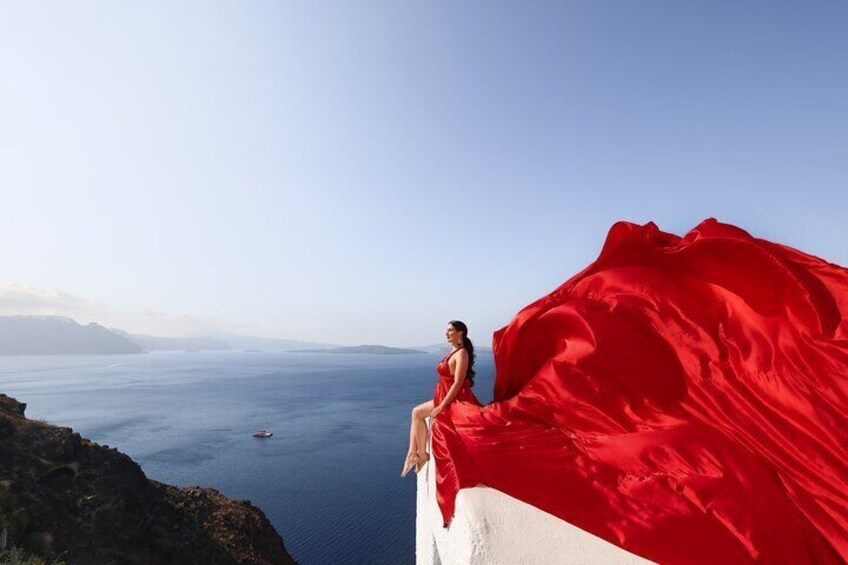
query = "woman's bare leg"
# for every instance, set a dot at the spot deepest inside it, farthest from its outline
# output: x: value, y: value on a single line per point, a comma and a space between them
x: 417, y: 453
x: 419, y: 427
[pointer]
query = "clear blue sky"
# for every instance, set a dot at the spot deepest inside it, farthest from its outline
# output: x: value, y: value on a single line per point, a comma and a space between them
x: 362, y: 172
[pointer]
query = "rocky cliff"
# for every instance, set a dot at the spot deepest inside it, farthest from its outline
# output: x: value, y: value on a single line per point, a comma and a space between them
x: 67, y: 498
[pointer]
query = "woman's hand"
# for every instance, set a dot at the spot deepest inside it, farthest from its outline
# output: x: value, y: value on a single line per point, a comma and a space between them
x: 436, y: 411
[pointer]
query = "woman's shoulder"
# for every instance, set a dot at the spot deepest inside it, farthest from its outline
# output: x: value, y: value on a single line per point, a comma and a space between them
x: 461, y: 352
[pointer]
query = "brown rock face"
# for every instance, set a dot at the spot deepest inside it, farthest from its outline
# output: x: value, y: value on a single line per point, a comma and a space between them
x: 65, y: 497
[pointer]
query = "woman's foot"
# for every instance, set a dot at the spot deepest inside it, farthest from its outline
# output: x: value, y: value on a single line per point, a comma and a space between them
x: 411, y: 459
x: 421, y: 461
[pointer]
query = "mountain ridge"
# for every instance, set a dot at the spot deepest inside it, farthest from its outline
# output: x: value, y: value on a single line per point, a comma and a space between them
x: 60, y: 335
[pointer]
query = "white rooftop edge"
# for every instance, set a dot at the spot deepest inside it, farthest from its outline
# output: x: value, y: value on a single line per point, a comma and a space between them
x: 493, y: 528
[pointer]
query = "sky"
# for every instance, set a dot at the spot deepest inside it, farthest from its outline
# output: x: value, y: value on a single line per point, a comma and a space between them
x: 362, y: 172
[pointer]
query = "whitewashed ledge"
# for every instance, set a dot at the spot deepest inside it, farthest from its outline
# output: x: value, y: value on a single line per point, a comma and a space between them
x: 492, y: 528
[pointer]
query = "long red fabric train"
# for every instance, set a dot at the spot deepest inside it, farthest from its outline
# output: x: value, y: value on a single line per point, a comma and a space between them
x: 683, y: 398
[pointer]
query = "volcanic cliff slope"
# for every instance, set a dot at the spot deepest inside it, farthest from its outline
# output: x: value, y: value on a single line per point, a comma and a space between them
x: 68, y: 498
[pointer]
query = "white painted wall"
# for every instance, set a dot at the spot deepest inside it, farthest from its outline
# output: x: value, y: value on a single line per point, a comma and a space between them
x: 492, y: 528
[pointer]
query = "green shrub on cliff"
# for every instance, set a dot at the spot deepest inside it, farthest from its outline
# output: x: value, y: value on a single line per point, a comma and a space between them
x: 17, y: 556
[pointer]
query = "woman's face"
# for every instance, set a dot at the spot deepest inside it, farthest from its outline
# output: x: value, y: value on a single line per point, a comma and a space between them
x: 453, y: 336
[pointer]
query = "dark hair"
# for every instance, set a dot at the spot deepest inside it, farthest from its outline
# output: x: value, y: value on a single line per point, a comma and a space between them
x: 461, y: 327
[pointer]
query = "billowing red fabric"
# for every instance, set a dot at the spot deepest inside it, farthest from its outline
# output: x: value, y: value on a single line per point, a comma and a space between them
x: 683, y: 398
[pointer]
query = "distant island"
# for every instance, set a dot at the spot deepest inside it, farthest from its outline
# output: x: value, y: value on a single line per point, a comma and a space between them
x: 370, y: 349
x: 156, y: 343
x: 252, y: 342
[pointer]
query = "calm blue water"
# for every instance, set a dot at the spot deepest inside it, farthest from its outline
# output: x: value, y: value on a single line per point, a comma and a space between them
x: 328, y: 479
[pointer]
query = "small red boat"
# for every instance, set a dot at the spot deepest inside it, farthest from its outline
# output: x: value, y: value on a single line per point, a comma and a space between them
x: 262, y: 433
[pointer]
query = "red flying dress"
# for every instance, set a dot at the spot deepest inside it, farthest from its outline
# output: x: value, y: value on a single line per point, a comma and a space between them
x: 683, y: 398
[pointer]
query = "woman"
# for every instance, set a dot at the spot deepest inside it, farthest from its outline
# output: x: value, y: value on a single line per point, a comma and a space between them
x: 456, y: 377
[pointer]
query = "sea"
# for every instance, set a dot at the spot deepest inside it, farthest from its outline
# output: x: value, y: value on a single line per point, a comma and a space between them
x: 328, y: 479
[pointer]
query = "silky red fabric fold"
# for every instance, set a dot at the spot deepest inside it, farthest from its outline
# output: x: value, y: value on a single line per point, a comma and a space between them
x: 683, y: 398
